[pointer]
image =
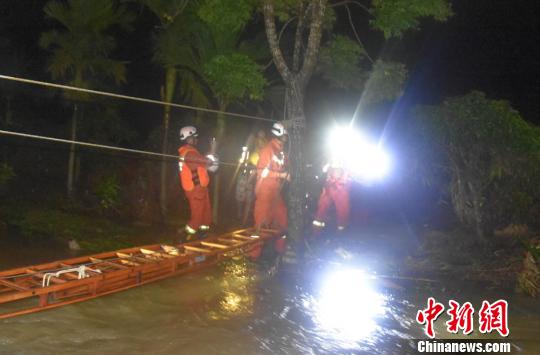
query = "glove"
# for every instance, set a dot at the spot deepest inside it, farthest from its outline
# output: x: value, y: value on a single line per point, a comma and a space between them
x: 213, y: 164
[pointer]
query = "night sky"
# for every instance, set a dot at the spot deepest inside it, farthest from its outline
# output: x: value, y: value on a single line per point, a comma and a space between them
x: 489, y: 45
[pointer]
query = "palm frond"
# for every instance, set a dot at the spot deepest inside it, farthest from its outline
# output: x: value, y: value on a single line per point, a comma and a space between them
x: 84, y: 47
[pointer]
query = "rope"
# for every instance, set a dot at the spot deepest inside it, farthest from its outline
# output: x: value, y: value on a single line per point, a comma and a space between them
x: 51, y: 271
x: 133, y: 98
x: 81, y: 270
x: 100, y: 146
x: 85, y: 144
x: 109, y: 147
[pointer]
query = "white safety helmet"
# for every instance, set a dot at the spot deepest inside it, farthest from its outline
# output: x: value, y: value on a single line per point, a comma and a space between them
x: 278, y: 129
x: 188, y: 131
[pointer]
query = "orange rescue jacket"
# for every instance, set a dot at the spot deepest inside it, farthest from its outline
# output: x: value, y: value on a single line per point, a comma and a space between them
x: 271, y: 158
x: 337, y: 176
x: 192, y: 168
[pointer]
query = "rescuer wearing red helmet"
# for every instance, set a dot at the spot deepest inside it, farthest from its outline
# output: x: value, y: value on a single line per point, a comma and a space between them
x: 336, y: 192
x: 193, y: 173
x: 270, y: 210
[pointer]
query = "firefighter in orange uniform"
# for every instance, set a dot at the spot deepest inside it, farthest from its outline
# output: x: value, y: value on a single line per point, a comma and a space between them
x: 270, y: 210
x: 194, y: 179
x: 336, y: 192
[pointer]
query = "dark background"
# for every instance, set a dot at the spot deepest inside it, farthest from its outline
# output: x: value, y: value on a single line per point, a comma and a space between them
x: 488, y: 45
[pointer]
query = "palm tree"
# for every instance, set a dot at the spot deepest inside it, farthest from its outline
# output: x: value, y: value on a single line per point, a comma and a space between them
x: 169, y: 52
x: 203, y: 59
x: 221, y: 69
x: 80, y: 51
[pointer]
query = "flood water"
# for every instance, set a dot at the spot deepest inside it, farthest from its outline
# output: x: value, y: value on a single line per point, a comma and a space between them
x: 239, y: 308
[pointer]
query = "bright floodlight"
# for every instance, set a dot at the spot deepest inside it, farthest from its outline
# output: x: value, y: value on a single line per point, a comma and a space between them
x: 348, y: 305
x: 369, y: 162
x: 365, y: 160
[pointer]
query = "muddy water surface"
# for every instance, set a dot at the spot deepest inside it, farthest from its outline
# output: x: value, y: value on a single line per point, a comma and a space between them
x: 238, y: 309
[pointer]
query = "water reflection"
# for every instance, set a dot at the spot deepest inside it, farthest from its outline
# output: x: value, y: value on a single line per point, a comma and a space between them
x: 302, y: 310
x: 237, y: 293
x: 348, y: 305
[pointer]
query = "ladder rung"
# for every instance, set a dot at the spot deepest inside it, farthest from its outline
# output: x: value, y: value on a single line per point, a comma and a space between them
x: 106, y: 262
x: 192, y: 248
x: 214, y: 245
x: 239, y: 236
x: 132, y: 258
x: 231, y: 241
x: 13, y: 285
x: 129, y: 262
x: 170, y: 250
x: 154, y: 254
x: 53, y: 278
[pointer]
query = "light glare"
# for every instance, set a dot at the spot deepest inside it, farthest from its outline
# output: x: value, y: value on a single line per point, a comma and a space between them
x: 349, y: 149
x: 348, y: 305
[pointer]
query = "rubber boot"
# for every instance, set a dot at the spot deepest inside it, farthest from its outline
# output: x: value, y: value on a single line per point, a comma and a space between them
x: 184, y: 236
x: 203, y: 233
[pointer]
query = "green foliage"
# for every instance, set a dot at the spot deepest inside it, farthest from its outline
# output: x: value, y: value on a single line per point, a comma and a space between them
x: 175, y: 44
x: 108, y: 192
x: 166, y: 10
x: 235, y: 77
x: 463, y: 122
x: 103, y: 124
x: 329, y: 19
x: 492, y: 154
x: 93, y: 234
x: 285, y: 9
x: 203, y: 46
x: 226, y: 16
x: 386, y: 82
x: 339, y: 63
x: 6, y: 174
x: 533, y: 248
x: 529, y: 278
x: 81, y: 50
x: 394, y: 17
x: 255, y: 48
x: 192, y: 89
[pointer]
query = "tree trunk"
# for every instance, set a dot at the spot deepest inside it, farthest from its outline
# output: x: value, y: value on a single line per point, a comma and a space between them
x: 476, y: 199
x: 294, y: 96
x: 296, y: 81
x: 467, y: 203
x: 71, y: 160
x: 167, y: 95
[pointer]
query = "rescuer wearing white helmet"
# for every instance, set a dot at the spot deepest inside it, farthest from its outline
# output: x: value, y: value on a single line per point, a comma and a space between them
x: 194, y: 178
x: 279, y: 131
x: 270, y: 209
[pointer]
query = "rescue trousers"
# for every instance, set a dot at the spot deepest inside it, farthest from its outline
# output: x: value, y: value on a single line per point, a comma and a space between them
x: 337, y: 194
x: 199, y: 205
x: 270, y: 211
